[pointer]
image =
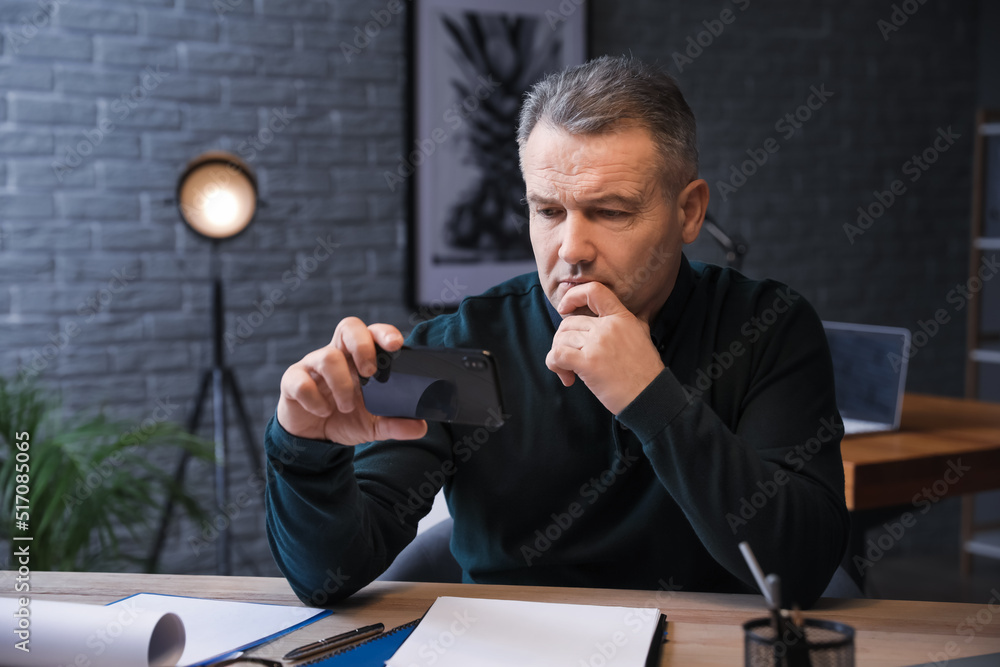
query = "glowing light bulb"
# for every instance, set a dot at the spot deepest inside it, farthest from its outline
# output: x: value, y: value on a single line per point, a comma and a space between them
x: 220, y: 207
x: 217, y: 195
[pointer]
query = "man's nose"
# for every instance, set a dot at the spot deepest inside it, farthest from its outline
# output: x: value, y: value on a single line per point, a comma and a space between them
x: 576, y: 245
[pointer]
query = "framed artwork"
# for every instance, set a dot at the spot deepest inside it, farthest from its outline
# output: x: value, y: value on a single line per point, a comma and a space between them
x: 471, y: 63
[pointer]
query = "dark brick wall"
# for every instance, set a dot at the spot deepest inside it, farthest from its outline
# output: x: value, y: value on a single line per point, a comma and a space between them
x: 888, y: 100
x: 104, y: 291
x: 102, y: 102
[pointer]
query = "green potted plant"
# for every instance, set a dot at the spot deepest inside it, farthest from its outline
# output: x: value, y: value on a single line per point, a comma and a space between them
x: 89, y: 481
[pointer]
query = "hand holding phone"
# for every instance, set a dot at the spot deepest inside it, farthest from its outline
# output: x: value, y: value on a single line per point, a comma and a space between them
x: 321, y: 396
x: 453, y: 385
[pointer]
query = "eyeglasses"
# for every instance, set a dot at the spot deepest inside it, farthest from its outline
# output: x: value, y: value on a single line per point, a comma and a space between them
x: 240, y: 660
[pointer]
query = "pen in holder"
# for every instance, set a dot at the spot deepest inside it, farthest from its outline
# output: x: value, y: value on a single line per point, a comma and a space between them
x: 784, y: 640
x: 817, y: 644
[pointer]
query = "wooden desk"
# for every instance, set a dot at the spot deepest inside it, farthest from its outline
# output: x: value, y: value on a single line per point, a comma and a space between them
x: 705, y: 628
x: 936, y: 434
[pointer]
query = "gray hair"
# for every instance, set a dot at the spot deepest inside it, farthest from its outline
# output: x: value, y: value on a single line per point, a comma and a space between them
x: 595, y: 97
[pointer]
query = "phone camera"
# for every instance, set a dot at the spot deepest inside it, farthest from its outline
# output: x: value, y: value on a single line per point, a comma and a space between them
x: 475, y: 364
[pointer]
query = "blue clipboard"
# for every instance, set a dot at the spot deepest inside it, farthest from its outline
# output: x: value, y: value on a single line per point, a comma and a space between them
x: 371, y: 653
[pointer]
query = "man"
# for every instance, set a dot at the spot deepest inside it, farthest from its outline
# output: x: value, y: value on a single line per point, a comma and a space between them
x: 659, y: 412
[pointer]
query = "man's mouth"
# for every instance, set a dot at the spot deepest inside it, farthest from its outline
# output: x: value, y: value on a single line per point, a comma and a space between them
x: 570, y: 283
x: 573, y: 282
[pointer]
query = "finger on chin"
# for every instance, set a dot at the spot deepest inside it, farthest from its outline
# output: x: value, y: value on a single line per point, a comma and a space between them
x: 574, y: 299
x: 591, y: 298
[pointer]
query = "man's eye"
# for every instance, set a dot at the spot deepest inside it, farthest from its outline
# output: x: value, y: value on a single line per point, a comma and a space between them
x: 547, y: 212
x: 612, y: 214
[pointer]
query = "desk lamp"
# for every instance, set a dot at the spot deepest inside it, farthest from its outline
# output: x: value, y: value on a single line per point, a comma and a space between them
x: 733, y: 244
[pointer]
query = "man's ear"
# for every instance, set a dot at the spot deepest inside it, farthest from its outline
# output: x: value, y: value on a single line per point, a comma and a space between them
x: 692, y: 203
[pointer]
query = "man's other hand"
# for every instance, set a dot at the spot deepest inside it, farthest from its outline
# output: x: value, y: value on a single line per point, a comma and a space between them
x: 612, y: 353
x: 321, y: 394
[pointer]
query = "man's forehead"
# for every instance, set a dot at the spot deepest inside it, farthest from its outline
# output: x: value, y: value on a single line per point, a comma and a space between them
x: 620, y: 196
x: 592, y: 184
x: 554, y: 153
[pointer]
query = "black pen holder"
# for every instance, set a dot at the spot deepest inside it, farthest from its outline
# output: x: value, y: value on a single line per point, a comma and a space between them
x: 819, y: 644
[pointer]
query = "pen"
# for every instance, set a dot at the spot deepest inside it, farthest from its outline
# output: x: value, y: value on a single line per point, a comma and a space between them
x: 758, y: 575
x: 337, y: 641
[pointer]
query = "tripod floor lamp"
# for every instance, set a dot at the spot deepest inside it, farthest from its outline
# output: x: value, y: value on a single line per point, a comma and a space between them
x: 217, y: 198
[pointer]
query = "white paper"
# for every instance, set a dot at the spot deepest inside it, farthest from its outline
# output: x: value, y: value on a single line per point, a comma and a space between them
x: 467, y: 632
x: 218, y: 627
x: 71, y: 634
x: 145, y: 630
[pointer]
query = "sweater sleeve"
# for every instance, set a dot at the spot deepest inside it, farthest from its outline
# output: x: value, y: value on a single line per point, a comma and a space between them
x: 774, y: 477
x: 337, y: 516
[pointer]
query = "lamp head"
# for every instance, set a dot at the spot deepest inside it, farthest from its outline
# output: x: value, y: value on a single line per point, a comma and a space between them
x: 217, y: 195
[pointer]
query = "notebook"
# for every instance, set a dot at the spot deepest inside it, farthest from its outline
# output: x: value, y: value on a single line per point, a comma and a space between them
x: 472, y: 632
x: 869, y: 369
x: 990, y: 660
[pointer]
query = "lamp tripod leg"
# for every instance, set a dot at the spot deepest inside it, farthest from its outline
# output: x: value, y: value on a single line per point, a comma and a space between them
x: 254, y: 453
x: 221, y: 467
x: 192, y: 426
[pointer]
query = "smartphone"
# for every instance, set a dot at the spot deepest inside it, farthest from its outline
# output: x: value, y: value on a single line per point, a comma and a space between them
x: 443, y: 384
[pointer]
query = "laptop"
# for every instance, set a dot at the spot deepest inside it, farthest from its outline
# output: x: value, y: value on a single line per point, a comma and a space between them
x: 869, y: 370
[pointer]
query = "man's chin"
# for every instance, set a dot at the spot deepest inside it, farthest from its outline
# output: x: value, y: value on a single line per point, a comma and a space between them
x: 582, y: 310
x: 559, y: 295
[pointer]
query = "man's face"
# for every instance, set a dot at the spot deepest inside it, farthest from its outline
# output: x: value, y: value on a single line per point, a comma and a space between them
x: 599, y: 212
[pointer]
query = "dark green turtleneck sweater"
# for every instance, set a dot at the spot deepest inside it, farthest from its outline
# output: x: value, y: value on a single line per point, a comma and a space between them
x: 738, y: 439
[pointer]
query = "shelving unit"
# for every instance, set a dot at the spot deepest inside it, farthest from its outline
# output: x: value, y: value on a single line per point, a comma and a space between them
x: 980, y: 527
